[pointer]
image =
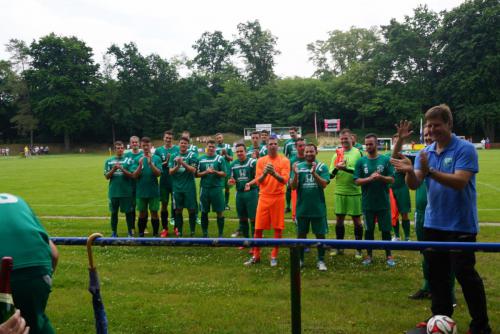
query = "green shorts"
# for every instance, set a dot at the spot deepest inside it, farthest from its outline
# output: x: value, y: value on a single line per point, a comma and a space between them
x: 419, y: 224
x: 383, y: 220
x: 246, y: 203
x: 348, y: 205
x: 125, y: 204
x: 185, y: 200
x: 212, y: 197
x: 30, y: 291
x: 165, y: 193
x: 402, y: 196
x: 152, y: 202
x: 319, y: 225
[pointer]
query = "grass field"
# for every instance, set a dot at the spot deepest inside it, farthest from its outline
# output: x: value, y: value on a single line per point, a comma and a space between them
x: 199, y: 290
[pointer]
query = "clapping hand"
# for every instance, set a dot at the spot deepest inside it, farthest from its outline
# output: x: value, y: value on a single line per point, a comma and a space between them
x: 402, y: 164
x: 313, y: 168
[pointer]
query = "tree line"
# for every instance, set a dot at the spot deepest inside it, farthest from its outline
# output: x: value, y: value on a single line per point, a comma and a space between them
x: 53, y: 90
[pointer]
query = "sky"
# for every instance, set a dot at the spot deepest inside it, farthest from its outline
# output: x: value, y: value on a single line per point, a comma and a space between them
x: 170, y: 28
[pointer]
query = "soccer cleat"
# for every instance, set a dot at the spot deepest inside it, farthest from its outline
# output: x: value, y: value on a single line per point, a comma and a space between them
x: 358, y: 255
x: 395, y: 239
x: 227, y: 208
x: 253, y: 260
x: 130, y: 235
x: 155, y: 235
x: 198, y: 220
x: 321, y: 266
x: 274, y: 262
x: 176, y: 232
x: 420, y: 294
x: 236, y: 234
x: 390, y: 261
x: 367, y: 261
x: 164, y: 234
x: 172, y: 221
x: 114, y: 235
x: 301, y: 264
x: 241, y: 247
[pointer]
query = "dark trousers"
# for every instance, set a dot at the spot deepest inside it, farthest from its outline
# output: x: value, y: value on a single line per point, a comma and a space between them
x: 441, y: 266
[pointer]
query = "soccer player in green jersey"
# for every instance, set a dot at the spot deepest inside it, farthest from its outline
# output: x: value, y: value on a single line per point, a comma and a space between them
x: 290, y: 150
x: 264, y: 136
x: 148, y: 192
x: 310, y: 178
x: 347, y: 193
x: 212, y: 171
x: 300, y: 146
x: 165, y: 152
x: 35, y: 256
x: 119, y: 171
x: 374, y: 173
x: 191, y: 148
x: 226, y: 152
x: 401, y: 195
x: 254, y: 149
x: 247, y: 192
x: 183, y: 167
x: 134, y: 155
x: 355, y: 142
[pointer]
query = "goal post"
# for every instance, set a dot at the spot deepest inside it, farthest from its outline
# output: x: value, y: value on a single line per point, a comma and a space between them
x: 282, y: 132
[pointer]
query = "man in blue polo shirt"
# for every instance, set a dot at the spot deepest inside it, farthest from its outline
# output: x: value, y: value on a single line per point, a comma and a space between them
x: 448, y: 167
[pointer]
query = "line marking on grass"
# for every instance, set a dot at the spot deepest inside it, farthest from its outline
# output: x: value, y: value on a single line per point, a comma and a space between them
x: 489, y: 186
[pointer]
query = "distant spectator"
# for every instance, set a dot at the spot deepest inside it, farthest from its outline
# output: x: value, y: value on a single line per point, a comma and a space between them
x: 487, y: 146
x: 483, y: 143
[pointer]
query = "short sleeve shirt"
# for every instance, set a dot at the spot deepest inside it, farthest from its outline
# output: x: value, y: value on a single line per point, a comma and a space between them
x: 120, y: 185
x: 243, y: 172
x: 215, y: 162
x: 375, y: 195
x: 449, y: 209
x: 310, y: 195
x: 229, y: 151
x: 290, y: 149
x: 147, y: 182
x: 344, y: 181
x: 183, y: 180
x: 165, y: 155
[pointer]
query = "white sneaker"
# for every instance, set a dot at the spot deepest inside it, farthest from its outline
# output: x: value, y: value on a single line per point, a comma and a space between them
x: 358, y: 255
x: 395, y: 239
x: 274, y: 262
x: 321, y: 266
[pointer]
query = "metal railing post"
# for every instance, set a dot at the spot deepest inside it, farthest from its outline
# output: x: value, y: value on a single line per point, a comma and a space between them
x: 295, y: 289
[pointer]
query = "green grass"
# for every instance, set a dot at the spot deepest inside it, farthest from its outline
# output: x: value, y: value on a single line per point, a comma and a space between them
x: 199, y: 290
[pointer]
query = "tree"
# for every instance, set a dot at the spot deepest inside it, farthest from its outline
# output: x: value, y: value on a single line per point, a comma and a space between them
x: 469, y: 60
x: 335, y: 55
x: 257, y: 48
x: 60, y: 81
x: 213, y: 58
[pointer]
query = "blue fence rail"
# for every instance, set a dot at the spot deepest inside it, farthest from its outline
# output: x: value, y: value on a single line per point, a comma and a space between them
x: 293, y: 244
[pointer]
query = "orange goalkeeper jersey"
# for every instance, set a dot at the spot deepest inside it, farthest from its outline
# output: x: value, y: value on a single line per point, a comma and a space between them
x: 270, y: 186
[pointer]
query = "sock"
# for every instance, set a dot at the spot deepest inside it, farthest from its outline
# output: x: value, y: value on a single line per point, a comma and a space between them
x: 369, y: 235
x: 156, y: 226
x: 204, y: 224
x: 192, y: 222
x: 301, y: 249
x: 256, y: 250
x: 179, y: 223
x: 142, y: 223
x: 425, y: 271
x: 243, y: 228
x: 288, y: 197
x: 406, y: 228
x: 226, y: 195
x: 358, y: 233
x: 129, y: 218
x: 340, y: 231
x: 164, y: 219
x: 396, y: 229
x: 133, y: 219
x: 321, y: 249
x: 277, y: 235
x: 220, y: 226
x: 252, y: 227
x: 387, y: 236
x: 114, y: 221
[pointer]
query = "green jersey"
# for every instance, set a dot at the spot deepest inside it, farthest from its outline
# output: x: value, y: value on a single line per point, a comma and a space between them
x: 251, y: 150
x: 310, y: 195
x: 120, y: 185
x: 229, y: 152
x: 243, y: 172
x: 375, y: 195
x: 358, y: 146
x: 399, y: 178
x: 216, y: 162
x: 421, y: 197
x: 194, y: 149
x: 184, y: 179
x: 147, y: 182
x: 344, y: 182
x: 22, y: 236
x: 165, y: 155
x: 290, y: 149
x: 263, y: 150
x: 134, y: 158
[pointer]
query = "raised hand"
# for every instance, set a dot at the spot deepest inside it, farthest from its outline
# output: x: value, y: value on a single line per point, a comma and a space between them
x: 404, y: 129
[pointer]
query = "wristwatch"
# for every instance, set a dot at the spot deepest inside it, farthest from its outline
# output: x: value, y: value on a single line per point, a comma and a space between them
x: 431, y: 171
